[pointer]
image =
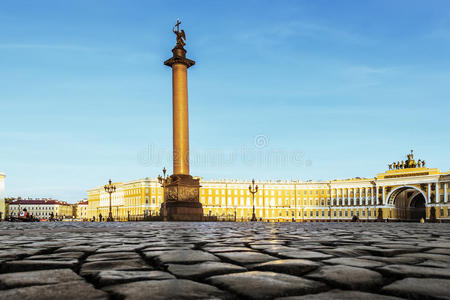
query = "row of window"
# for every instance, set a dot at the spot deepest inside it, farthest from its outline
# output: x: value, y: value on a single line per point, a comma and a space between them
x: 17, y: 207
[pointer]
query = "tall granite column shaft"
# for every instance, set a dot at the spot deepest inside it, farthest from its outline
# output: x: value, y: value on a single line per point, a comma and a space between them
x: 180, y: 119
x: 179, y: 64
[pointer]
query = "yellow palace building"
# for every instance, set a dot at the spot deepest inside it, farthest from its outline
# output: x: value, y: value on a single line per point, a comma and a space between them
x: 408, y: 191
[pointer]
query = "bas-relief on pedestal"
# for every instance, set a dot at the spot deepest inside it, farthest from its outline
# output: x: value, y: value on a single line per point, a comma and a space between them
x: 181, y: 199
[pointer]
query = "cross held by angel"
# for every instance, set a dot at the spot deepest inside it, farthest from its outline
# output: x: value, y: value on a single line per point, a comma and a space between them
x: 181, y: 36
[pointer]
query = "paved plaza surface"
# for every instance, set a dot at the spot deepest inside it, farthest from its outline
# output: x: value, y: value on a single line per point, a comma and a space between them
x: 224, y: 260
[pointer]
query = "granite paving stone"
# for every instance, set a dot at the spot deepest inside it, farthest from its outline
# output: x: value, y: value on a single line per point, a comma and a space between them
x: 304, y: 254
x: 341, y: 295
x: 390, y: 252
x: 354, y: 262
x: 33, y: 265
x: 227, y: 249
x: 11, y: 254
x: 444, y: 251
x: 429, y: 256
x: 58, y: 256
x: 347, y: 277
x: 84, y: 249
x: 415, y: 271
x: 420, y: 288
x: 184, y: 256
x: 287, y: 266
x: 344, y: 251
x: 434, y: 264
x: 116, y: 277
x: 21, y: 279
x: 245, y: 258
x: 204, y: 269
x: 70, y: 290
x: 221, y: 260
x: 121, y: 248
x: 112, y: 256
x: 167, y: 289
x: 92, y: 268
x: 394, y: 260
x: 265, y: 285
x: 273, y: 249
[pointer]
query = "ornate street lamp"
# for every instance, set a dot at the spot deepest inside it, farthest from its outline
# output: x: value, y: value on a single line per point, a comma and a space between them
x: 110, y: 188
x: 162, y: 181
x: 253, y: 189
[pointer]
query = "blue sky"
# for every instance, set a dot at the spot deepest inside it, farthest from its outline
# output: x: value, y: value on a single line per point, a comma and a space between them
x: 281, y: 89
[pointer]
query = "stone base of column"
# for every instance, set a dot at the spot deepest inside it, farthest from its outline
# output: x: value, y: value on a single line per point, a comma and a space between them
x: 182, y: 211
x: 181, y: 199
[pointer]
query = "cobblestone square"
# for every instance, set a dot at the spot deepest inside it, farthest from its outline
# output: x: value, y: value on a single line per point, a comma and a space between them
x: 224, y: 260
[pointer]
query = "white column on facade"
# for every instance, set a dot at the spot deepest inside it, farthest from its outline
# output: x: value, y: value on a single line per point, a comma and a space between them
x: 429, y: 193
x: 438, y: 196
x: 336, y: 197
x: 445, y: 193
x: 342, y: 195
x: 376, y: 197
x: 365, y: 195
x: 360, y: 196
x: 336, y: 201
x: 372, y: 196
x: 384, y: 196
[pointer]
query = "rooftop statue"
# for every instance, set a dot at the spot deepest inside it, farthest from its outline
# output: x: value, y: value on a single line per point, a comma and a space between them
x: 409, y: 163
x: 181, y: 36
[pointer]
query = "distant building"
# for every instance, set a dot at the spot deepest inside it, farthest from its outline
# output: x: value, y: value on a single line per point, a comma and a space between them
x: 42, y: 208
x: 3, y: 206
x: 407, y: 191
x: 81, y: 208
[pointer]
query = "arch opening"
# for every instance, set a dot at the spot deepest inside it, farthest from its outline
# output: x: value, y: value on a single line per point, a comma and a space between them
x: 409, y: 204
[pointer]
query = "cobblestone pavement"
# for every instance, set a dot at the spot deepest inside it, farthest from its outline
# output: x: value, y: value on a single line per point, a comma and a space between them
x: 224, y: 261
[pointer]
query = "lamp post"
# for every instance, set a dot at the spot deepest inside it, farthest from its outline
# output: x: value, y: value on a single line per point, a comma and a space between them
x: 110, y: 188
x: 253, y: 189
x: 162, y: 181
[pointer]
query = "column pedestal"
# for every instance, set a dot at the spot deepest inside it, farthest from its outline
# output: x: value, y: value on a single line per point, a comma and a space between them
x: 181, y: 199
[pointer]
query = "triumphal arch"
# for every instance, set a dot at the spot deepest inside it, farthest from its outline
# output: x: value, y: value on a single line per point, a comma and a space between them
x: 411, y: 191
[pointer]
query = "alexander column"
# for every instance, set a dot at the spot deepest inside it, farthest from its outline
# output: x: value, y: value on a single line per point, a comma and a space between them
x: 181, y: 190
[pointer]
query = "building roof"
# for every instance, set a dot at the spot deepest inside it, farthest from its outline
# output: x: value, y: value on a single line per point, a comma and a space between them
x: 83, y: 202
x: 38, y: 202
